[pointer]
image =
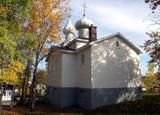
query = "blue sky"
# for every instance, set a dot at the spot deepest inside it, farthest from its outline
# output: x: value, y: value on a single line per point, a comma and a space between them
x: 128, y: 17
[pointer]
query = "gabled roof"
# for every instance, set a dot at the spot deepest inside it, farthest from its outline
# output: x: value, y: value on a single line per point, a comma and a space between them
x: 62, y: 49
x: 120, y: 36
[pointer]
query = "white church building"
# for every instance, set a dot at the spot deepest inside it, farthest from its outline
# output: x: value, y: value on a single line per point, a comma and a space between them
x: 88, y: 72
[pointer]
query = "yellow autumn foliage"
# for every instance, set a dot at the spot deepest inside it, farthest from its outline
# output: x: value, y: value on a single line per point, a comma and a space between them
x: 3, y: 10
x: 45, y: 19
x: 10, y: 75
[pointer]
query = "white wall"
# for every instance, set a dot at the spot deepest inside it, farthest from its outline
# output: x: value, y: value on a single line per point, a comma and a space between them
x: 69, y: 77
x: 84, y: 69
x: 54, y: 69
x: 66, y: 69
x: 77, y: 44
x: 80, y: 44
x: 114, y: 67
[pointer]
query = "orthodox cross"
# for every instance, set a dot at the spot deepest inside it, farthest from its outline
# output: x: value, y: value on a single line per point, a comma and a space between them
x: 84, y: 9
x: 69, y: 12
x: 69, y: 9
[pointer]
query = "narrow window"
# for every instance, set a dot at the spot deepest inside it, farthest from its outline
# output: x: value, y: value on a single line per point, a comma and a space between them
x: 83, y: 58
x: 117, y: 44
x: 10, y: 93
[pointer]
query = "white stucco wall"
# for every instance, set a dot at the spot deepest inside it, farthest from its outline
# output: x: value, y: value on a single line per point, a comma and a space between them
x: 114, y: 67
x: 84, y: 69
x: 54, y: 69
x: 77, y: 44
x: 80, y: 44
x: 67, y: 70
x: 69, y: 77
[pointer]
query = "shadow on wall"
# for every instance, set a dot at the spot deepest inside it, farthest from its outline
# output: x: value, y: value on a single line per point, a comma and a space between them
x: 117, y: 69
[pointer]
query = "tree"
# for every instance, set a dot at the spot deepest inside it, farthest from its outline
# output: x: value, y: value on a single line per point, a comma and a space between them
x: 156, y: 85
x: 10, y: 75
x: 149, y: 81
x: 26, y: 45
x: 13, y: 18
x: 152, y: 46
x: 41, y: 81
x: 44, y: 23
x: 11, y: 31
x: 150, y: 77
x: 151, y: 67
x: 10, y: 13
x: 153, y: 3
x: 41, y: 76
x: 10, y: 64
x: 11, y: 61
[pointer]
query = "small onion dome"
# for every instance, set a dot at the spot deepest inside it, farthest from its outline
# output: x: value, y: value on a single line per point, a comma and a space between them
x: 83, y: 23
x: 69, y: 28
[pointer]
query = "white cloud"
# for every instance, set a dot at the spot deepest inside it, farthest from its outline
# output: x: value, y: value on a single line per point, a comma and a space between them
x: 117, y: 18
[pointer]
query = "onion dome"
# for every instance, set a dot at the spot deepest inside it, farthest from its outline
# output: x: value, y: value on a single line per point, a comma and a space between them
x: 69, y: 28
x: 83, y: 23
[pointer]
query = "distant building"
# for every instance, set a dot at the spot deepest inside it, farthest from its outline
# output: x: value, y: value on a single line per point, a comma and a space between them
x: 90, y: 72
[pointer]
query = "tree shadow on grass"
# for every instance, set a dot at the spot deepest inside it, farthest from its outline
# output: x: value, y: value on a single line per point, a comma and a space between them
x: 149, y: 105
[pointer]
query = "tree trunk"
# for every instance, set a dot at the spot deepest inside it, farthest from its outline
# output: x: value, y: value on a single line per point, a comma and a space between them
x: 1, y: 92
x: 33, y: 89
x: 34, y: 83
x: 23, y: 96
x: 25, y: 82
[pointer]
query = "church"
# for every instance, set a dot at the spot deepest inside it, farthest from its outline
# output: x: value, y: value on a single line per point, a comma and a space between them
x: 87, y: 72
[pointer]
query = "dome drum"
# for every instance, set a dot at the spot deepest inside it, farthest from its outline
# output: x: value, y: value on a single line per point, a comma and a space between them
x: 83, y: 33
x: 70, y: 36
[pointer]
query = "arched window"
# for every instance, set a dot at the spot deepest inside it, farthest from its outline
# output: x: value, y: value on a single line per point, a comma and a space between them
x: 83, y: 60
x: 117, y: 43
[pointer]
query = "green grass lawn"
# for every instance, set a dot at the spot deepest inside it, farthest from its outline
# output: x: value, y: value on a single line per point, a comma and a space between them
x: 149, y: 105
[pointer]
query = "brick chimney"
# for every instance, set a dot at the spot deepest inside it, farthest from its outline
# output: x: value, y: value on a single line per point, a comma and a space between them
x: 92, y: 33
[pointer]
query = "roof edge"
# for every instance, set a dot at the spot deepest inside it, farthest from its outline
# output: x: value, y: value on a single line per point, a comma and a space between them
x: 138, y: 50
